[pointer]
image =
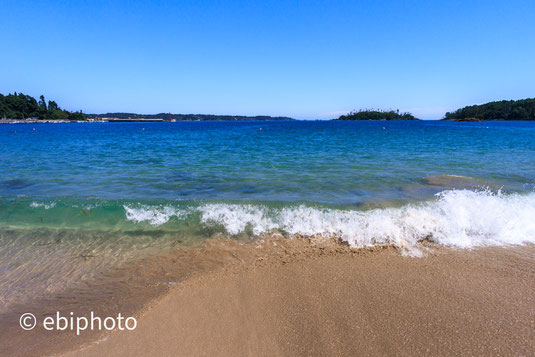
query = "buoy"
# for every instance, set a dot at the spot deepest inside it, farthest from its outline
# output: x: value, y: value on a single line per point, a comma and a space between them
x: 384, y: 128
x: 15, y: 131
x: 260, y: 128
x: 143, y: 128
x: 33, y: 128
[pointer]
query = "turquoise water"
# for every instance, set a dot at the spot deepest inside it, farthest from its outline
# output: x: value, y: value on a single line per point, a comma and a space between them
x: 341, y: 163
x: 113, y: 192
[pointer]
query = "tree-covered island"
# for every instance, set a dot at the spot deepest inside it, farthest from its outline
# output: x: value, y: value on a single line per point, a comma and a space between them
x: 523, y: 109
x: 377, y: 115
x: 22, y: 106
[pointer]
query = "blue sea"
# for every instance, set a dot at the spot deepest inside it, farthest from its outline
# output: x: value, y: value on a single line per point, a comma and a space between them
x: 111, y: 193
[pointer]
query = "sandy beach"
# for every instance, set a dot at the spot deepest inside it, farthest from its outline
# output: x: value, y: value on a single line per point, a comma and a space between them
x: 293, y: 298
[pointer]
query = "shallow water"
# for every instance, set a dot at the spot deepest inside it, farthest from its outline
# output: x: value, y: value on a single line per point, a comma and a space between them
x: 78, y: 199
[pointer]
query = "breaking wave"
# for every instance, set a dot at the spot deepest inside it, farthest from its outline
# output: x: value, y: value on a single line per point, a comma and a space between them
x: 154, y: 215
x: 457, y: 218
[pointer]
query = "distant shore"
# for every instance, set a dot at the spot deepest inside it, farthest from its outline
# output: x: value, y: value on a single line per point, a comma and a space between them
x: 121, y: 120
x: 54, y: 121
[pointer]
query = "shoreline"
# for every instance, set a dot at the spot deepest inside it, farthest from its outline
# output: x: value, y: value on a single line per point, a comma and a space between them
x: 325, y: 301
x: 278, y: 296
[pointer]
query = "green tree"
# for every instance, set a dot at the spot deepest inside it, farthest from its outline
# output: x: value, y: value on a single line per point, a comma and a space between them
x: 59, y: 114
x: 52, y: 106
x: 42, y: 102
x: 76, y: 116
x: 42, y: 111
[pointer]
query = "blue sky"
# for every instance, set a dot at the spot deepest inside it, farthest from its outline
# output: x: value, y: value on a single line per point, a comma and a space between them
x: 306, y: 59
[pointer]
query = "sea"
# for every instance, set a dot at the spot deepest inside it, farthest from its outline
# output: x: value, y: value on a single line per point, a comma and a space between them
x: 79, y: 199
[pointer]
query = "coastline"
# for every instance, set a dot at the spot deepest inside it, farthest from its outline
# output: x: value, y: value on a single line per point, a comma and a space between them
x: 278, y: 296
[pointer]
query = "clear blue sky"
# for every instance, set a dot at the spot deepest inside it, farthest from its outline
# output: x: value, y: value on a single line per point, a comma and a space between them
x: 306, y: 59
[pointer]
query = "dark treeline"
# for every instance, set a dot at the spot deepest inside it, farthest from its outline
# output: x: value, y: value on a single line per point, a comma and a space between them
x: 377, y: 115
x: 185, y: 116
x: 503, y: 110
x: 22, y: 106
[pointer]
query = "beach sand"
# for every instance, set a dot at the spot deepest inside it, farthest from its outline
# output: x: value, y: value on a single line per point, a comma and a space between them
x: 296, y: 298
x: 324, y: 301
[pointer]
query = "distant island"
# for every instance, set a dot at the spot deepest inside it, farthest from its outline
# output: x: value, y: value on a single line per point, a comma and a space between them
x: 377, y: 115
x: 19, y: 106
x: 523, y: 109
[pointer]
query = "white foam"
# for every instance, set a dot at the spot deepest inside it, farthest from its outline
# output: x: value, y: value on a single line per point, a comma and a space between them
x: 155, y: 215
x: 44, y: 205
x: 236, y: 218
x: 460, y: 218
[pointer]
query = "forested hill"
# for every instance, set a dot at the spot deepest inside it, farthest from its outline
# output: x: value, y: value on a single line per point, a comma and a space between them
x: 523, y: 109
x: 377, y: 115
x: 22, y: 106
x: 185, y: 116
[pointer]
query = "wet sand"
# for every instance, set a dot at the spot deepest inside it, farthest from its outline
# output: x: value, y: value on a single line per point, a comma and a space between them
x: 324, y: 301
x: 285, y: 297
